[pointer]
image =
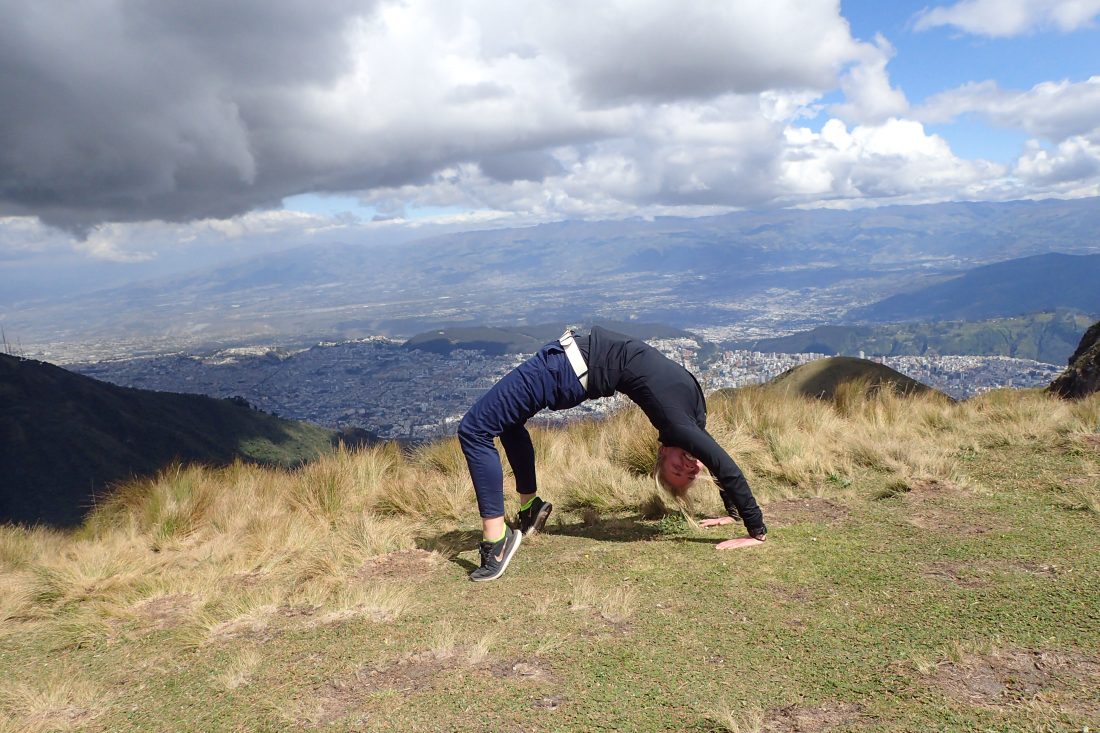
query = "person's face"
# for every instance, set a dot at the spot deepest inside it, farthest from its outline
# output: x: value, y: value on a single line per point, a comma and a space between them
x: 678, y: 467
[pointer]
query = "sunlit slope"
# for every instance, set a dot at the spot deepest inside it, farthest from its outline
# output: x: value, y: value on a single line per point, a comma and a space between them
x: 823, y: 378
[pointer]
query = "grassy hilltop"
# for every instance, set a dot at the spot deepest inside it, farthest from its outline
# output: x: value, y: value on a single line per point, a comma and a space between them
x: 930, y: 566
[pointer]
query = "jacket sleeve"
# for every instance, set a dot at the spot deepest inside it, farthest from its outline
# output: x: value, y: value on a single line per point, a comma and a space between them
x: 732, y: 486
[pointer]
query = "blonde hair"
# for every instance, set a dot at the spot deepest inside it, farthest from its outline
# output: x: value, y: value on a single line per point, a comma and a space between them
x: 680, y: 496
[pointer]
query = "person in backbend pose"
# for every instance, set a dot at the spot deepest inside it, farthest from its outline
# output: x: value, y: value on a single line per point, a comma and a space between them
x: 563, y: 374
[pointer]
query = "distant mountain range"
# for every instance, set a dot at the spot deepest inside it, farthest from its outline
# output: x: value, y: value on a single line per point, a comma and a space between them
x: 65, y: 438
x: 1045, y: 337
x: 526, y: 340
x: 760, y: 270
x: 1017, y: 287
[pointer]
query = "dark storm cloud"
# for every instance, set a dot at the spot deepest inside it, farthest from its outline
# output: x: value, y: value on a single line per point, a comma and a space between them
x: 522, y: 166
x: 697, y: 49
x: 124, y: 111
x: 138, y: 110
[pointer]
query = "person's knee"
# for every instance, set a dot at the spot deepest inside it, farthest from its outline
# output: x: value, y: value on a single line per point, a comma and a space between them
x: 469, y: 433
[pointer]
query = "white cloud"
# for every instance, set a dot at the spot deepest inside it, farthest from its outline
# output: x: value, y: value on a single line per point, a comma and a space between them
x: 1070, y: 168
x: 869, y: 96
x: 1063, y: 157
x: 129, y: 112
x: 1053, y: 110
x: 133, y: 242
x: 26, y: 236
x: 698, y: 156
x: 1004, y: 18
x: 896, y: 161
x: 162, y: 126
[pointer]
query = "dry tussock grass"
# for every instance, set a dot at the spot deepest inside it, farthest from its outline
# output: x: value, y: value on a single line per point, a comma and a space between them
x: 616, y: 605
x: 18, y: 599
x: 61, y: 699
x: 261, y: 537
x: 353, y: 600
x: 238, y: 673
x: 742, y: 720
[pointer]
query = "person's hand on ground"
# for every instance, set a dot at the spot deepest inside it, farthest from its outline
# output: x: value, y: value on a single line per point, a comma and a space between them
x: 716, y: 522
x: 738, y: 543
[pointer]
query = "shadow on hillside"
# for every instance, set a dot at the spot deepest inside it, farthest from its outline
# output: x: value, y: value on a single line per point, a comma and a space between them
x: 68, y: 440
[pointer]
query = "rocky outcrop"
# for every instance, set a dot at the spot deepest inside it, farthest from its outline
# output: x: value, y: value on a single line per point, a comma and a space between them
x: 1082, y: 377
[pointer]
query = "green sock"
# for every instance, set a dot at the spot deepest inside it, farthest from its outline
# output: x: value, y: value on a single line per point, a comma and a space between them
x: 498, y: 539
x: 527, y: 506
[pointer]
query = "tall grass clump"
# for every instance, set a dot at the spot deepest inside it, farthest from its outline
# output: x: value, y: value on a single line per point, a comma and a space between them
x: 786, y: 442
x: 443, y: 456
x: 793, y: 444
x: 17, y: 600
x: 169, y: 507
x: 631, y: 443
x: 62, y: 699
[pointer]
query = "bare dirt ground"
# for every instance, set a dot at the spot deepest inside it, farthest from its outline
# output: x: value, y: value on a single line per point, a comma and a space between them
x: 404, y: 565
x: 1007, y: 677
x: 340, y: 699
x: 797, y: 511
x: 795, y: 719
x: 936, y: 506
x: 166, y: 612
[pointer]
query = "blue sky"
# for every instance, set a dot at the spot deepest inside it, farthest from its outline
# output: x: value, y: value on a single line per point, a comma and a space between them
x: 931, y: 61
x: 150, y: 133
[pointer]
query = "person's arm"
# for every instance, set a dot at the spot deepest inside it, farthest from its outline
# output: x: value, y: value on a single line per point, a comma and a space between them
x: 732, y: 486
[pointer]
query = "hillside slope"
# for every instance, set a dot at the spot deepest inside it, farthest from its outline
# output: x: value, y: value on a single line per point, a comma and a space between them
x: 64, y: 438
x: 1045, y: 337
x: 1082, y: 376
x: 1026, y: 285
x: 824, y: 377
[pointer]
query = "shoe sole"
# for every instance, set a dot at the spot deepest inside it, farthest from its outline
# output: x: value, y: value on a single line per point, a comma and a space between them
x: 504, y: 563
x: 540, y: 520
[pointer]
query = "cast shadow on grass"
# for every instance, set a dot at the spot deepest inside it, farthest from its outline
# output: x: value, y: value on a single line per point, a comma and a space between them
x: 629, y: 529
x: 450, y: 544
x: 624, y: 529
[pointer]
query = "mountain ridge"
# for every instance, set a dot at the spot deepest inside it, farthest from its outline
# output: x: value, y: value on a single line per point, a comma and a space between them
x: 66, y: 438
x: 801, y: 266
x: 1045, y: 337
x: 1036, y: 283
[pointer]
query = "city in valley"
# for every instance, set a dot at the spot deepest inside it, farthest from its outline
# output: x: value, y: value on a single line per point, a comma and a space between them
x: 396, y: 392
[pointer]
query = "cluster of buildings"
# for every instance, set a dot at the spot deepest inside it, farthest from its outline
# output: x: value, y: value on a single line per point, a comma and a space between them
x: 966, y: 376
x: 396, y: 392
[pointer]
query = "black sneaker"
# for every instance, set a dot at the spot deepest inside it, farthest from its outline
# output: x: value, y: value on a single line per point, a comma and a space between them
x: 495, y: 556
x: 533, y: 518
